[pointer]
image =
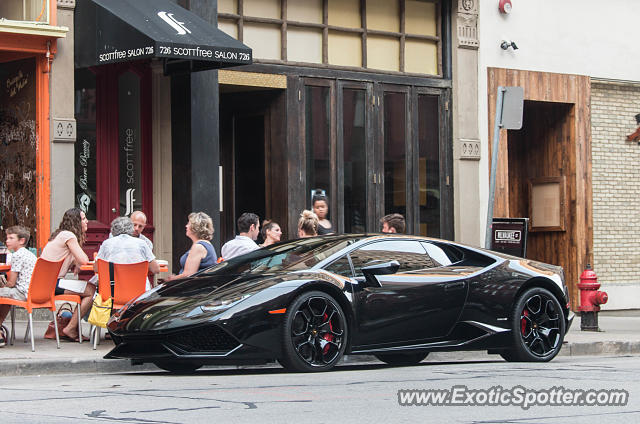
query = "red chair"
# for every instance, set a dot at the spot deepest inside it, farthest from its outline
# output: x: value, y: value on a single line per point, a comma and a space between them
x: 41, y: 292
x: 130, y: 281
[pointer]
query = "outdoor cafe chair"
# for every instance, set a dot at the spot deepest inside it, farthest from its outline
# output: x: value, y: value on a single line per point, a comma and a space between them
x: 40, y: 295
x: 130, y: 281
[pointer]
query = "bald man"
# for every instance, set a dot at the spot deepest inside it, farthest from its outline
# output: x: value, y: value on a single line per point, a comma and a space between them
x: 139, y: 220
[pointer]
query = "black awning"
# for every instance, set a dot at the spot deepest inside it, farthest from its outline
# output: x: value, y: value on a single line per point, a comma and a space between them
x: 112, y: 31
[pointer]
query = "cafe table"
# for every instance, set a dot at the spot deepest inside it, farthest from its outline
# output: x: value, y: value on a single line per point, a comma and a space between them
x: 164, y: 267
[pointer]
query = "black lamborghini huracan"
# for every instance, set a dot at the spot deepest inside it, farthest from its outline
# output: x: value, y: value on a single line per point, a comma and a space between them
x: 307, y: 302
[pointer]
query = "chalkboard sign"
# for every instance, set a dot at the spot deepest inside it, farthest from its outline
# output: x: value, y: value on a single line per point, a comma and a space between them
x: 18, y: 143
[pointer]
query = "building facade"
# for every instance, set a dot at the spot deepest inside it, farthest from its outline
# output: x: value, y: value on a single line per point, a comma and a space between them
x: 373, y: 102
x: 29, y: 35
x: 581, y: 98
x: 354, y: 97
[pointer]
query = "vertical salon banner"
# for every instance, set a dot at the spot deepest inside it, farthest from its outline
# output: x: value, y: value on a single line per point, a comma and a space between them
x: 85, y: 147
x: 18, y: 143
x: 129, y: 143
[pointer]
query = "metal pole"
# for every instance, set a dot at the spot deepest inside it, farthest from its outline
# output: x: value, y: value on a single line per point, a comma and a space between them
x: 494, y: 165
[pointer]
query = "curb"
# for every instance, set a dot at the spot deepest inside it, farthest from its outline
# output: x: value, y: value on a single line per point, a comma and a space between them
x: 31, y: 367
x: 16, y: 367
x: 602, y: 348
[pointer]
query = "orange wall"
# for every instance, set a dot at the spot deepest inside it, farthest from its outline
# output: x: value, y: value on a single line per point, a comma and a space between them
x: 12, y: 47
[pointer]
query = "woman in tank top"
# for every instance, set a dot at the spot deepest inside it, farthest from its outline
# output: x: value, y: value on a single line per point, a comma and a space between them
x: 201, y: 255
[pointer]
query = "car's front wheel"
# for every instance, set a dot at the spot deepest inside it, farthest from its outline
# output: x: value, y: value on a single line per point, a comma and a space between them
x: 314, y: 333
x: 402, y: 359
x: 538, y: 327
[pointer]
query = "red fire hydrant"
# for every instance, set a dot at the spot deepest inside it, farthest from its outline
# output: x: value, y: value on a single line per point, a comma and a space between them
x: 590, y: 300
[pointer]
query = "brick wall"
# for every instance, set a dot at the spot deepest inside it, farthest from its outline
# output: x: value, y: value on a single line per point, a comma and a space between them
x: 616, y: 182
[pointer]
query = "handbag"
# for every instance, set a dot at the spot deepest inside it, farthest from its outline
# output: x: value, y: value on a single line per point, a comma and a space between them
x: 101, y: 309
x: 63, y: 321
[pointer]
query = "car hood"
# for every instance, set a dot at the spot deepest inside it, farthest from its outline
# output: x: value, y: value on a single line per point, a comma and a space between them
x: 198, y: 299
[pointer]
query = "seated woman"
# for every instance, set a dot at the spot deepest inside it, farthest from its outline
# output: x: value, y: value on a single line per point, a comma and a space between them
x: 308, y: 224
x: 201, y: 255
x: 66, y: 243
x: 270, y: 233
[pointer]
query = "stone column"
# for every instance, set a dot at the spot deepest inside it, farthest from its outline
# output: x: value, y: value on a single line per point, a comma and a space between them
x: 466, y: 150
x: 161, y: 161
x: 63, y: 125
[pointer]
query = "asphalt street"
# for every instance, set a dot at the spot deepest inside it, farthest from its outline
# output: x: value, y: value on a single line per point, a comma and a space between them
x: 350, y: 394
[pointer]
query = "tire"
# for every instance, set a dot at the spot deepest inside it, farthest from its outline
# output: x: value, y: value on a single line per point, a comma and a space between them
x: 176, y: 367
x: 314, y: 335
x: 537, y: 327
x: 402, y: 359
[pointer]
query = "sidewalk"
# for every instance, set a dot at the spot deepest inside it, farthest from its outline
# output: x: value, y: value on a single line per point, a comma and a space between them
x: 620, y: 335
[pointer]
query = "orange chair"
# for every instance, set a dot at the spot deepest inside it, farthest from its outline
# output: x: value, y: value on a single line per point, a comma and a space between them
x: 41, y: 291
x: 130, y: 281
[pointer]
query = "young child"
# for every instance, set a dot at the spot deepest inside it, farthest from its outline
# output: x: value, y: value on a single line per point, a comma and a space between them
x: 18, y: 279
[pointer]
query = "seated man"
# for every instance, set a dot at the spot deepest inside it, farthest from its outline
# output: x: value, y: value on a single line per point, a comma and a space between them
x: 19, y: 277
x: 393, y: 223
x: 249, y: 228
x: 123, y: 248
x: 139, y: 220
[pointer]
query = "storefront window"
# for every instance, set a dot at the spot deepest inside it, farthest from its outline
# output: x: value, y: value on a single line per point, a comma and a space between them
x: 85, y: 147
x: 355, y: 161
x: 429, y: 165
x: 317, y: 142
x: 18, y: 144
x: 25, y: 10
x: 130, y: 140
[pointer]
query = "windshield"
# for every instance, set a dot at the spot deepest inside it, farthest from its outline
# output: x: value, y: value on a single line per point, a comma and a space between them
x: 290, y: 256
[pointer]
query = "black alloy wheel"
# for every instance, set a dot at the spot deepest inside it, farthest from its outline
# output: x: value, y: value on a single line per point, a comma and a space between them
x: 538, y: 327
x: 314, y: 333
x: 402, y: 359
x: 178, y: 367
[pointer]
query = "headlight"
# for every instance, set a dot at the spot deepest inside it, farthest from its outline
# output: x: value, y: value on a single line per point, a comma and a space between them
x: 222, y: 304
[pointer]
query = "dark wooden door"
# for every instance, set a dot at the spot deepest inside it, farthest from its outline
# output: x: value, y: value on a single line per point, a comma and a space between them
x: 252, y: 154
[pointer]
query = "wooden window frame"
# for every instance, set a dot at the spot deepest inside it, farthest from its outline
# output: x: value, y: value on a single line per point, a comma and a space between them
x: 239, y: 19
x: 561, y: 183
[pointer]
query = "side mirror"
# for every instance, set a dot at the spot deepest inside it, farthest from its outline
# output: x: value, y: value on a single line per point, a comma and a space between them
x: 384, y: 268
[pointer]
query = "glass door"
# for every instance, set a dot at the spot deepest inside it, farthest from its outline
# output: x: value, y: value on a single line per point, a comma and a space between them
x: 430, y: 160
x: 393, y: 148
x: 355, y: 160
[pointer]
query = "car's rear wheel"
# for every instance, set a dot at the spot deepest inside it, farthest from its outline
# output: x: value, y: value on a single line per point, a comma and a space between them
x: 176, y: 367
x: 538, y: 327
x: 402, y: 359
x: 314, y: 333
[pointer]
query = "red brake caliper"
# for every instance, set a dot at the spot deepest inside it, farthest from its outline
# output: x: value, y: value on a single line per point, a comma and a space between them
x: 328, y: 336
x: 523, y: 323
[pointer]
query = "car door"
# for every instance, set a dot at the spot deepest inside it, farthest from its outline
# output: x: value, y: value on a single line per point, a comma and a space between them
x: 421, y: 301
